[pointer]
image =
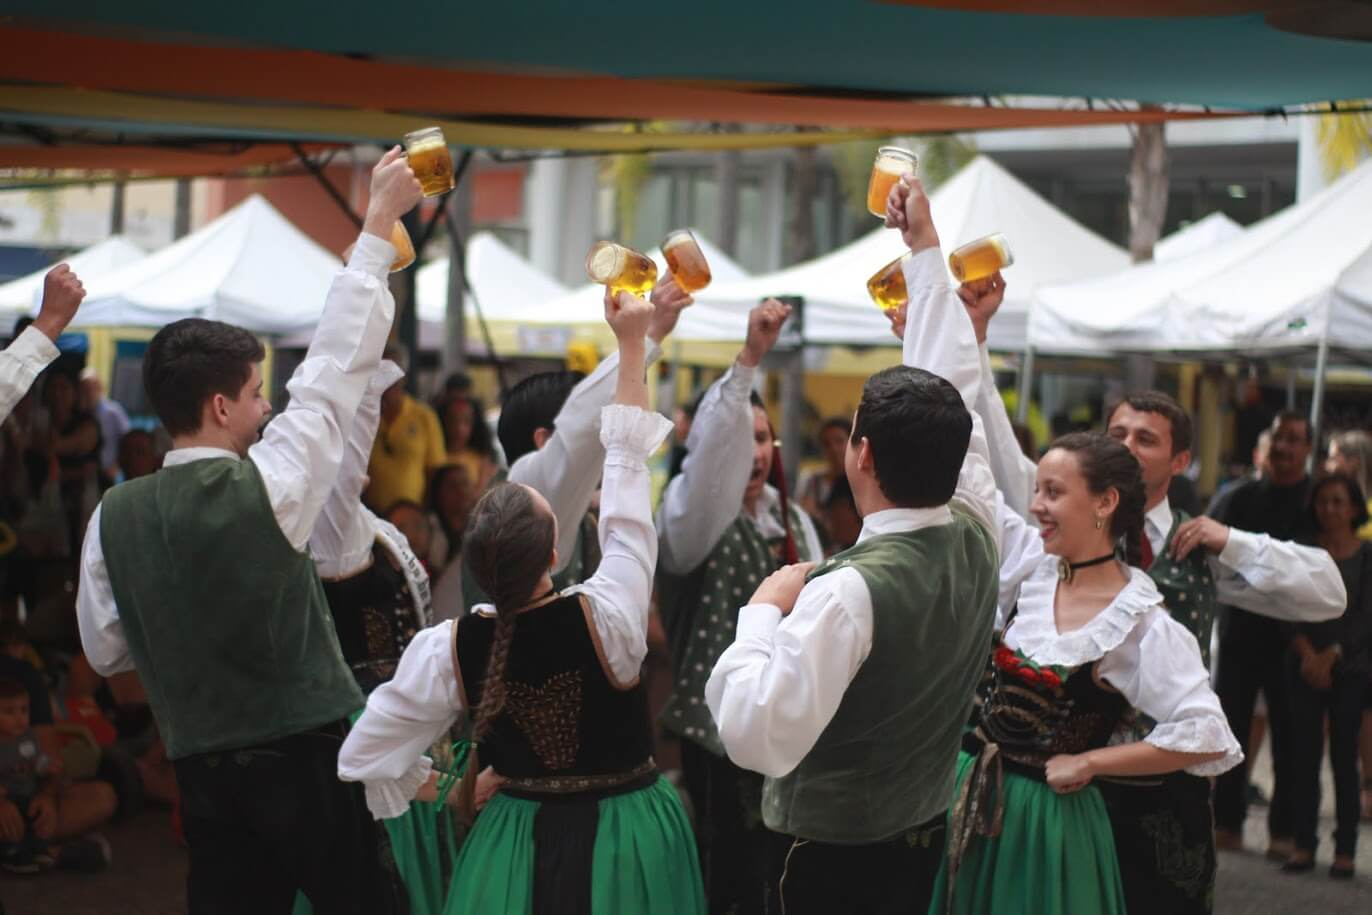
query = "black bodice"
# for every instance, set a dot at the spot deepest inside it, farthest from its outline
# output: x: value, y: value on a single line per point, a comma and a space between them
x: 375, y: 616
x: 1034, y: 714
x: 562, y: 716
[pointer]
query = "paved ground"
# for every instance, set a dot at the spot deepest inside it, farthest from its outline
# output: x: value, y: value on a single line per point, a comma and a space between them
x: 148, y: 876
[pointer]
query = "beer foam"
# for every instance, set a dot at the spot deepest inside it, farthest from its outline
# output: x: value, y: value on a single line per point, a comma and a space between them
x: 605, y: 264
x: 893, y: 166
x: 425, y: 144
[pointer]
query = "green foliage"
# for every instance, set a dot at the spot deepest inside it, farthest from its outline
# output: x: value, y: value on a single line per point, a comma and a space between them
x: 1344, y: 140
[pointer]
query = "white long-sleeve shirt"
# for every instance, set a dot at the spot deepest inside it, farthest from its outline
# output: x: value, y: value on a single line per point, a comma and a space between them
x: 706, y: 497
x: 566, y: 470
x: 1270, y: 577
x: 405, y: 716
x: 300, y: 451
x: 775, y: 690
x: 20, y: 363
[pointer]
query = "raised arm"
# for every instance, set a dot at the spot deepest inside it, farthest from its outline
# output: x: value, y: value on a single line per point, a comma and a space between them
x: 705, y: 498
x: 341, y: 542
x: 620, y: 591
x: 566, y: 470
x: 301, y: 450
x: 36, y: 348
x: 1270, y: 577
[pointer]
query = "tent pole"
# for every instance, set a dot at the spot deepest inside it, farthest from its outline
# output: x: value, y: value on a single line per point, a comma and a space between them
x: 1026, y: 385
x: 1291, y: 373
x: 1317, y: 396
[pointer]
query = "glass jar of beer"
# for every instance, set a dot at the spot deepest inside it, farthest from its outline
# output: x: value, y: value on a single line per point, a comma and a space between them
x: 892, y: 163
x: 621, y: 268
x: 686, y: 261
x: 430, y: 160
x: 887, y: 285
x: 404, y: 248
x: 979, y: 259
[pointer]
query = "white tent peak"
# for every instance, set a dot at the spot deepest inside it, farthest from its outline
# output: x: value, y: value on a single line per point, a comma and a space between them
x: 980, y: 199
x: 23, y: 294
x: 1199, y: 235
x: 1286, y: 282
x: 251, y: 267
x: 500, y: 276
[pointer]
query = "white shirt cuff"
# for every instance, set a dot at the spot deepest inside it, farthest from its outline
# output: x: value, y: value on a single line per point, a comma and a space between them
x: 1241, y: 548
x: 389, y: 799
x: 33, y: 349
x: 372, y: 255
x: 759, y: 621
x: 630, y: 434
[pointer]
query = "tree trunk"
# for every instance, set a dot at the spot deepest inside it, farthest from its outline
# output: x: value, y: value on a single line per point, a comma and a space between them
x: 181, y: 225
x: 1147, y: 190
x: 800, y: 228
x: 117, y: 209
x: 726, y: 178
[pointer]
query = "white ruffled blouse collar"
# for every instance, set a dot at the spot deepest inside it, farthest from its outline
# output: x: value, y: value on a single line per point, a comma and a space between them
x: 1034, y: 630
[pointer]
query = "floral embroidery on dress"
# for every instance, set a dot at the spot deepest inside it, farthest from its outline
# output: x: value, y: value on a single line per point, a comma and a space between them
x: 547, y: 716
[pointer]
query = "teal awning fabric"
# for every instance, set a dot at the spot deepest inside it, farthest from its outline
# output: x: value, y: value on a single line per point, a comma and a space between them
x: 845, y: 45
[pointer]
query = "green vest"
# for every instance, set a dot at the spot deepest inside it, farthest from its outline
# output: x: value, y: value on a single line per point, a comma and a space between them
x: 700, y: 614
x: 226, y: 621
x: 885, y: 763
x: 1188, y: 588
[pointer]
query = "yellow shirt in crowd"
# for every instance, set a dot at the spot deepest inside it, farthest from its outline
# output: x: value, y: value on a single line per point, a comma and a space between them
x: 407, y: 450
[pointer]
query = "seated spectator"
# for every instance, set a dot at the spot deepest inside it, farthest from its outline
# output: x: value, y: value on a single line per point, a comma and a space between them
x: 814, y: 488
x: 841, y: 517
x: 33, y: 814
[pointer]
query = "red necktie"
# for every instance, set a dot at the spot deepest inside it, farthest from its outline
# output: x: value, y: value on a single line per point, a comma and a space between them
x: 1146, y: 549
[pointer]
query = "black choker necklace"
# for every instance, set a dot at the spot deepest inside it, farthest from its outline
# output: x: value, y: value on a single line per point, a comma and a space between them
x: 1068, y: 570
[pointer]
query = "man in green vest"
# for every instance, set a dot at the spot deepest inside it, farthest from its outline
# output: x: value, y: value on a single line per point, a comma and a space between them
x: 849, y: 684
x: 721, y: 532
x: 198, y: 577
x: 1164, y: 828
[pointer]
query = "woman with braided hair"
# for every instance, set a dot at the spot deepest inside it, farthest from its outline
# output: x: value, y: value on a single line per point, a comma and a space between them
x: 582, y: 822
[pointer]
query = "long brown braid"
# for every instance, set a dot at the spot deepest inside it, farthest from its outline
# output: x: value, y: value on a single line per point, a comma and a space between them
x: 509, y: 544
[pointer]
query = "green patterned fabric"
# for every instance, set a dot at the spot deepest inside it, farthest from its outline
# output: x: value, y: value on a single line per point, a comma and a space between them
x: 885, y: 762
x: 700, y: 612
x: 1055, y: 855
x: 644, y: 861
x: 1188, y: 588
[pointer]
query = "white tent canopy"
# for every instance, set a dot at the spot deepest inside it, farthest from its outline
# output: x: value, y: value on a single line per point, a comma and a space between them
x: 1298, y: 277
x: 983, y: 198
x: 585, y: 304
x: 249, y: 267
x: 503, y: 281
x: 1198, y: 236
x: 23, y: 295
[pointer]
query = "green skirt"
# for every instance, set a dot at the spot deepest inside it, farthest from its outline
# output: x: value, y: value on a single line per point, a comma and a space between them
x: 1055, y: 855
x: 643, y: 862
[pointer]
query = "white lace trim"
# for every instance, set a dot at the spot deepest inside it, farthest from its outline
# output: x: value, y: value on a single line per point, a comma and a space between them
x: 1199, y: 735
x: 389, y: 799
x: 631, y: 432
x: 1035, y: 630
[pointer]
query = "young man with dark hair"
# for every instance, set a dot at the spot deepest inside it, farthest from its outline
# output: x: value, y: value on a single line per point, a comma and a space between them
x: 721, y: 532
x: 849, y: 684
x: 1164, y: 830
x: 198, y: 577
